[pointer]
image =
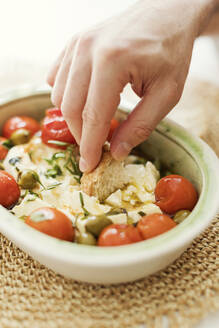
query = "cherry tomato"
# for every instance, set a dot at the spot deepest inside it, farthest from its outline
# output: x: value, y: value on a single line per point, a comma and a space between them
x: 51, y: 112
x: 51, y: 222
x: 9, y: 190
x: 55, y: 128
x: 3, y: 149
x: 154, y: 224
x: 20, y: 122
x: 118, y: 234
x: 174, y: 193
x: 114, y: 124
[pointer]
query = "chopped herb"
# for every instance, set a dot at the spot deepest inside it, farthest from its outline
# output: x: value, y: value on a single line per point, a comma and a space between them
x: 86, y: 213
x: 58, y: 143
x: 18, y: 171
x: 58, y: 155
x: 49, y: 161
x: 141, y: 213
x: 34, y: 196
x: 37, y: 178
x: 54, y: 157
x: 34, y: 193
x: 22, y: 217
x: 14, y: 160
x: 8, y: 144
x: 24, y: 193
x: 53, y: 186
x: 72, y: 165
x: 116, y: 211
x: 56, y: 170
x: 30, y: 155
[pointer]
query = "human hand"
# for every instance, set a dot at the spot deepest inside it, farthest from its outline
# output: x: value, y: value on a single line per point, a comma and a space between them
x: 149, y: 46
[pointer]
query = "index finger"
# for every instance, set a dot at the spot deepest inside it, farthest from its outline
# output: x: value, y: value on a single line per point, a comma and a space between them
x: 55, y: 67
x: 102, y: 101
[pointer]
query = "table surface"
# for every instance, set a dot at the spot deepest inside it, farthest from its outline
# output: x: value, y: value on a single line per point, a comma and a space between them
x: 31, y: 40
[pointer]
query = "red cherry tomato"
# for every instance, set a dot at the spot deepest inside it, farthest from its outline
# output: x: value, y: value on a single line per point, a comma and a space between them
x: 154, y: 224
x: 118, y: 234
x: 9, y: 190
x: 113, y: 126
x: 174, y: 193
x: 20, y: 122
x: 3, y: 149
x: 51, y: 222
x: 51, y: 112
x: 55, y: 128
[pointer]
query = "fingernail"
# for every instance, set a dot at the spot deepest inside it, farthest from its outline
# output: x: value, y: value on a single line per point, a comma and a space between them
x: 83, y: 165
x: 121, y: 151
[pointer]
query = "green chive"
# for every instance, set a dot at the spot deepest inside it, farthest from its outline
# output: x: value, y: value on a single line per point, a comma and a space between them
x: 8, y: 144
x: 53, y: 186
x: 86, y: 213
x: 141, y: 213
x: 58, y: 143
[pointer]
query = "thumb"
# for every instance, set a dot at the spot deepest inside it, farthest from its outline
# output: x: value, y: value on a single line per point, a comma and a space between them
x: 155, y: 104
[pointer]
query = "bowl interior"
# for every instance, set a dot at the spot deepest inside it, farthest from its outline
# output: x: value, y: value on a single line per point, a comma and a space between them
x: 178, y: 149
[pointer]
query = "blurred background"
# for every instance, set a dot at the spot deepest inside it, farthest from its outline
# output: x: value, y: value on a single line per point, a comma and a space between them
x: 32, y: 33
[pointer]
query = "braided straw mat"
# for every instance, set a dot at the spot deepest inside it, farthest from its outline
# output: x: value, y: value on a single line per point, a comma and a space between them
x: 33, y: 296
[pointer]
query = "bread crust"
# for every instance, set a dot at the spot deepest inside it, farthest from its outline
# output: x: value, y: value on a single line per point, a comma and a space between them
x: 108, y: 176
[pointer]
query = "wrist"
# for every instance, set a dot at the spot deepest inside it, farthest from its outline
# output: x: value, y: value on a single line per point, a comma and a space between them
x: 206, y: 9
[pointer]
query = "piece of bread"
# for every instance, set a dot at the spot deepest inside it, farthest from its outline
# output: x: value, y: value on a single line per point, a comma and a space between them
x: 108, y: 176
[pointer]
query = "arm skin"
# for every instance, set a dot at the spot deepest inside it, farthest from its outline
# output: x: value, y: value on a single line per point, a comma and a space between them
x: 213, y: 26
x: 149, y: 46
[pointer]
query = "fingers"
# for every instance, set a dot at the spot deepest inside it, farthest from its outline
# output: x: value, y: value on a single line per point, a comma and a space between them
x: 75, y: 94
x: 62, y: 74
x: 156, y: 103
x: 102, y: 102
x: 54, y: 69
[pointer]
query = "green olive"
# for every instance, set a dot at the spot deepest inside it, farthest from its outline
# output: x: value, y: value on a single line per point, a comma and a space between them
x: 86, y: 238
x: 20, y: 136
x: 95, y: 224
x: 180, y: 216
x: 28, y: 179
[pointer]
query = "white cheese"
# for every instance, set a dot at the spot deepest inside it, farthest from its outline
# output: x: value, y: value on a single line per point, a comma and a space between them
x: 135, y: 173
x: 151, y: 177
x: 81, y: 225
x: 145, y: 196
x: 143, y: 175
x: 118, y: 218
x: 134, y: 216
x: 71, y: 198
x: 150, y: 209
x: 115, y: 199
x: 26, y: 207
x: 22, y: 164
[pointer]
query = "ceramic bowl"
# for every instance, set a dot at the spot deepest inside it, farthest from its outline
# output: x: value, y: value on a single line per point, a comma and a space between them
x: 181, y: 151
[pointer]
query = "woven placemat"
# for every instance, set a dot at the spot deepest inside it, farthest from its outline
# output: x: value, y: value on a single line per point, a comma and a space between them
x: 33, y: 296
